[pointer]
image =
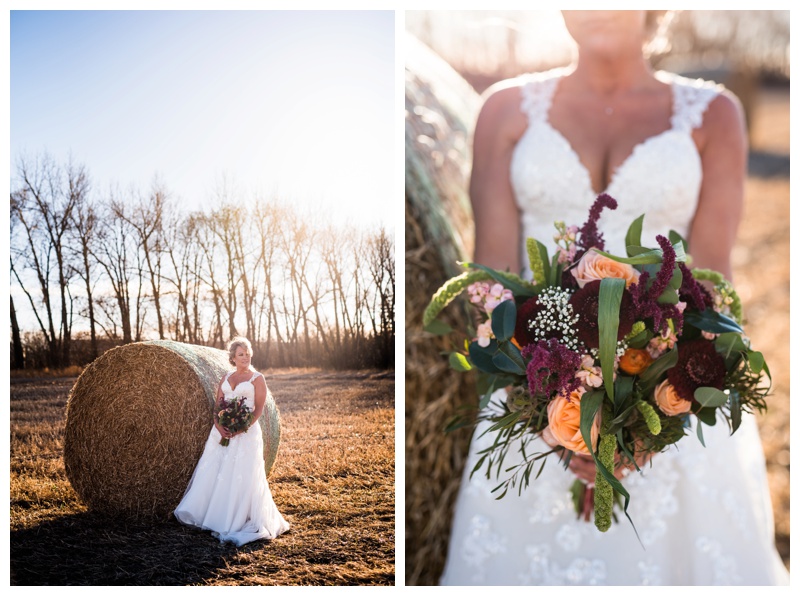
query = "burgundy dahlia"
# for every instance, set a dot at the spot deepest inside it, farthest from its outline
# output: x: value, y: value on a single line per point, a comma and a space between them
x: 585, y: 303
x: 526, y: 313
x: 552, y: 368
x: 699, y: 365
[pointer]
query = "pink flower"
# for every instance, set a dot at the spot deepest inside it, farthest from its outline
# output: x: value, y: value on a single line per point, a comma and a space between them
x: 485, y: 334
x: 661, y: 343
x: 590, y: 375
x: 497, y: 294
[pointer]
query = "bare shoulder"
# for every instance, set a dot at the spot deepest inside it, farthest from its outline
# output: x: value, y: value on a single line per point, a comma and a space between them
x: 724, y: 121
x: 501, y: 113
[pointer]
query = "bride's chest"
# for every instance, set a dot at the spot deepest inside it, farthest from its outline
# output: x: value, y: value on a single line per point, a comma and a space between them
x: 244, y: 389
x: 662, y: 171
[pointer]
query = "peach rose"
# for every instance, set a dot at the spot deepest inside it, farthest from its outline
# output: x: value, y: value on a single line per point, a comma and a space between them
x: 594, y: 266
x: 564, y: 416
x: 634, y: 361
x: 669, y: 402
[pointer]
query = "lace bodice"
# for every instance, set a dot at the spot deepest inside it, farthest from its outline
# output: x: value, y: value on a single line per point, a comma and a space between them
x: 661, y: 177
x: 243, y: 388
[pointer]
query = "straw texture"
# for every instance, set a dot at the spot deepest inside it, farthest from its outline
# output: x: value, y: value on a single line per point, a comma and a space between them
x: 440, y: 111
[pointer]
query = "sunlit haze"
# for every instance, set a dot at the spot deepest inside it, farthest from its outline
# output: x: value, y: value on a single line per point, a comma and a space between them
x: 293, y: 105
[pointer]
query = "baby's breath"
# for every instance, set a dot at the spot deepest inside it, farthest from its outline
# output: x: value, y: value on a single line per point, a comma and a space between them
x: 555, y: 318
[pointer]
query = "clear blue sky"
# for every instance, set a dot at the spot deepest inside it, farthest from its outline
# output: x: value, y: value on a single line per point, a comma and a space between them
x: 294, y: 104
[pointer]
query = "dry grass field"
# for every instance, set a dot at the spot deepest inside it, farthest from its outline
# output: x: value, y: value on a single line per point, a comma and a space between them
x: 333, y: 481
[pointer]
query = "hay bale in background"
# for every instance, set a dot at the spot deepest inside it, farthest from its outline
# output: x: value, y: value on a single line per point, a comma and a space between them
x: 137, y: 420
x: 440, y: 112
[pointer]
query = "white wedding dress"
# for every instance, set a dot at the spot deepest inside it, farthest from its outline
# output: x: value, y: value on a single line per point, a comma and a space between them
x: 228, y: 492
x: 703, y: 514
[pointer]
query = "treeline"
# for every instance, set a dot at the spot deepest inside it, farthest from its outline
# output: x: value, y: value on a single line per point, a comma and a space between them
x: 133, y: 266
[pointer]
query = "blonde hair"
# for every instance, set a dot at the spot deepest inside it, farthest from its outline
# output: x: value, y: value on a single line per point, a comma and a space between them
x: 235, y: 344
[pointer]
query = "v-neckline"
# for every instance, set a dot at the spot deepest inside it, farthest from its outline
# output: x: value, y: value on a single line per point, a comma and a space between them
x: 228, y: 381
x: 636, y: 148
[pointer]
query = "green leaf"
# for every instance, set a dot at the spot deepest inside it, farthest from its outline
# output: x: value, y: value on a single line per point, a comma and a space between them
x: 591, y: 401
x: 712, y: 321
x: 668, y: 296
x: 518, y: 286
x: 508, y: 358
x: 482, y: 357
x: 611, y: 289
x: 623, y: 392
x: 650, y: 377
x: 707, y: 415
x: 652, y: 256
x: 736, y: 410
x: 710, y: 397
x: 640, y: 340
x: 756, y: 361
x: 634, y: 235
x: 674, y: 238
x: 437, y: 327
x: 729, y: 342
x: 504, y: 319
x: 554, y: 277
x: 700, y: 433
x: 459, y: 362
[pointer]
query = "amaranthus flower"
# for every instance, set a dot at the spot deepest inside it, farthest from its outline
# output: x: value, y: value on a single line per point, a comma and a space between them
x: 552, y: 368
x: 590, y: 236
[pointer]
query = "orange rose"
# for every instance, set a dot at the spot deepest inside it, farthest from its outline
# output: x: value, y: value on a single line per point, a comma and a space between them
x: 669, y: 402
x: 634, y: 361
x: 564, y: 417
x: 594, y: 266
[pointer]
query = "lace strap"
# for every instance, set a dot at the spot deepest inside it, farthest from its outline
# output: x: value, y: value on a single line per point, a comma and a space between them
x: 690, y: 100
x: 537, y: 94
x: 255, y: 374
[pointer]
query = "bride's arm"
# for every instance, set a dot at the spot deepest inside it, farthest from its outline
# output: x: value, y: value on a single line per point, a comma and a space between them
x: 497, y: 219
x: 722, y: 142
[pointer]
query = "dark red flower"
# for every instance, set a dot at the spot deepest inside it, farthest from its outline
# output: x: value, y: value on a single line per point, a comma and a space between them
x: 699, y: 365
x: 552, y: 368
x: 525, y: 314
x: 589, y: 235
x: 692, y: 293
x: 585, y: 303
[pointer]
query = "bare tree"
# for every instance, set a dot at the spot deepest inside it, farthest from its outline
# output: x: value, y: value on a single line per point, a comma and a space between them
x: 381, y: 267
x: 18, y: 360
x: 114, y: 253
x: 43, y: 206
x: 145, y: 216
x: 84, y: 226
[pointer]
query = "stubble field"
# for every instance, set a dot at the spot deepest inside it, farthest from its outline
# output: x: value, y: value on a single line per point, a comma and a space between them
x: 333, y: 481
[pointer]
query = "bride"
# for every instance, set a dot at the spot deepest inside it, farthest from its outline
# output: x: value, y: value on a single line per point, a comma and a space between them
x: 545, y: 145
x: 228, y: 492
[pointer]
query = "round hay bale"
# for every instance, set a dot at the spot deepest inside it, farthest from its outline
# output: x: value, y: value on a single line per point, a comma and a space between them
x: 440, y: 112
x: 137, y: 420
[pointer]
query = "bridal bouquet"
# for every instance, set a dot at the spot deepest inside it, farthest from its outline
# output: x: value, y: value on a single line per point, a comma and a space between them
x: 235, y: 416
x: 608, y: 356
